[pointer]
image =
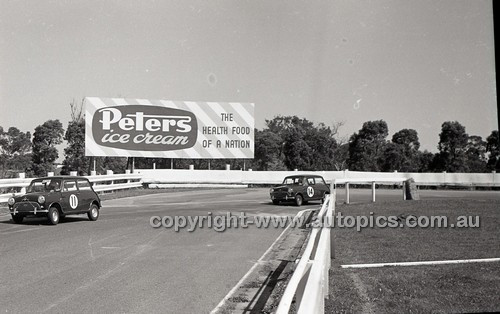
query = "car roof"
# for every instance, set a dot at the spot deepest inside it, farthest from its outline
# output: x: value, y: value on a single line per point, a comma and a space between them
x: 61, y: 177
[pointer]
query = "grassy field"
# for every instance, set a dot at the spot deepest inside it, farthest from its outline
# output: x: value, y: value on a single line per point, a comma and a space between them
x: 442, y: 288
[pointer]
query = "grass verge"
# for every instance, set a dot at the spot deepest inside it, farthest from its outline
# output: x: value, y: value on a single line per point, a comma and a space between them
x: 443, y: 288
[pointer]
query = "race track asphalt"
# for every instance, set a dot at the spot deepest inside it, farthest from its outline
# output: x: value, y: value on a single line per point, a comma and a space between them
x: 121, y: 264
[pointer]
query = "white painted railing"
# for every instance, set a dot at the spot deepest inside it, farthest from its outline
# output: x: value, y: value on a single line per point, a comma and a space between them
x: 100, y: 183
x: 309, y: 282
x: 105, y: 183
x: 373, y: 182
x: 13, y: 187
x: 199, y: 176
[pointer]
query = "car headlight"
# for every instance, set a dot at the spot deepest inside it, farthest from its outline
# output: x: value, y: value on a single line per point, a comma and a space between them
x: 11, y: 201
x: 41, y: 199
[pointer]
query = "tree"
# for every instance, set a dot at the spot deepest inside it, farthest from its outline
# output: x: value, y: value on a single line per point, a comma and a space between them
x: 425, y: 161
x: 408, y: 138
x: 45, y: 138
x: 75, y: 159
x: 452, y: 148
x: 341, y: 156
x: 296, y: 143
x: 268, y: 146
x: 323, y: 145
x: 476, y: 154
x: 116, y: 164
x: 366, y: 147
x: 15, y: 149
x: 402, y: 154
x: 393, y: 158
x: 492, y: 147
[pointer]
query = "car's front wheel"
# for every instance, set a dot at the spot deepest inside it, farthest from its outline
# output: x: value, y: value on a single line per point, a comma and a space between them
x: 93, y: 213
x: 299, y: 200
x: 17, y: 218
x: 276, y: 202
x: 53, y: 216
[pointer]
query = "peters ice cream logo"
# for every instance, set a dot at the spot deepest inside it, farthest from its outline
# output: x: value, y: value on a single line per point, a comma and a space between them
x: 144, y: 128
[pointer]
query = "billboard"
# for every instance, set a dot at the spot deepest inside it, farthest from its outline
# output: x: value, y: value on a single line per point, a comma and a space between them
x: 168, y: 129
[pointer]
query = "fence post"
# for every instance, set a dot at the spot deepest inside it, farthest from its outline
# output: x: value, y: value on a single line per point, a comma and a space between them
x: 22, y: 175
x: 404, y: 191
x: 333, y: 200
x: 373, y: 192
x: 110, y: 172
x: 347, y: 193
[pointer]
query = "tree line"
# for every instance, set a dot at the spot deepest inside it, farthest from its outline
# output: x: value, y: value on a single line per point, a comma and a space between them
x: 288, y: 143
x: 285, y: 143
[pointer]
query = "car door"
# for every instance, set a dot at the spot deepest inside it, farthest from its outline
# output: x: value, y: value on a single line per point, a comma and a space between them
x: 325, y: 188
x: 86, y: 194
x: 70, y: 196
x: 319, y: 187
x: 311, y: 189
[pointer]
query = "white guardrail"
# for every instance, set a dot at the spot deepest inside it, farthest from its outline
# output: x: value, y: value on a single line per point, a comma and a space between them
x: 203, y: 176
x: 100, y: 183
x: 309, y: 282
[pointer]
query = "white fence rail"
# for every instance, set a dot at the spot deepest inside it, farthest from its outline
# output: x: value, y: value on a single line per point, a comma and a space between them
x: 183, y: 176
x: 373, y: 183
x: 101, y: 183
x: 309, y: 282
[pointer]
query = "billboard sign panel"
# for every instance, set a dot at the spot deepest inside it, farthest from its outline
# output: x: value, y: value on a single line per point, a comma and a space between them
x: 168, y: 129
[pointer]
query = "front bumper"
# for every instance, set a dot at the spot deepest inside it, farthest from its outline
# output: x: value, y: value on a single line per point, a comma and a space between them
x: 28, y: 208
x: 283, y: 196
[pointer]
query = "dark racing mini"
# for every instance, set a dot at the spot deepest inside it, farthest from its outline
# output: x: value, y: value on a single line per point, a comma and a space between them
x: 54, y: 198
x: 300, y: 189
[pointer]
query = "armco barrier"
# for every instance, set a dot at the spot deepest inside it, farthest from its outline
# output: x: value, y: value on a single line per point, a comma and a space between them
x: 373, y: 183
x: 180, y: 176
x: 101, y: 183
x: 309, y: 282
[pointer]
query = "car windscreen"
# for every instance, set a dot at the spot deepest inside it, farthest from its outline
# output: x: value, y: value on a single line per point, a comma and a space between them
x: 44, y: 185
x: 84, y: 185
x: 293, y: 180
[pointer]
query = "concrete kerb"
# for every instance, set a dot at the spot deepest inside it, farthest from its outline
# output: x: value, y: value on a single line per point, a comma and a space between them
x: 260, y: 289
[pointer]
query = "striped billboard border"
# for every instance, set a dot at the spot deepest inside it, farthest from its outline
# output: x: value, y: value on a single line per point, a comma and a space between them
x: 208, y: 114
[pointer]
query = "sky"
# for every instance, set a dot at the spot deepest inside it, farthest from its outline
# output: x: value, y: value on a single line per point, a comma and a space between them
x: 414, y: 64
